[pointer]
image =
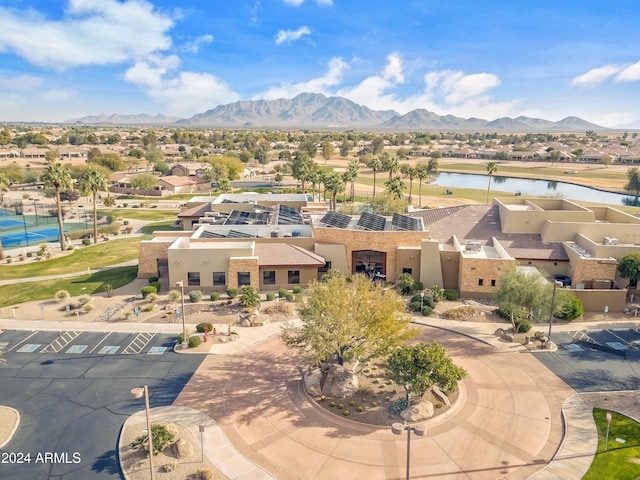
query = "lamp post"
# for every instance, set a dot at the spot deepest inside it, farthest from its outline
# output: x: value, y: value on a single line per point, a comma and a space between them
x: 185, y: 342
x: 553, y: 301
x: 421, y: 301
x: 420, y: 430
x: 137, y: 393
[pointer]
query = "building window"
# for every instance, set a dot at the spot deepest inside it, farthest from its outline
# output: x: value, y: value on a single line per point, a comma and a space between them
x: 293, y: 277
x: 219, y: 278
x: 325, y: 268
x: 480, y: 282
x: 269, y: 277
x: 493, y: 283
x: 244, y: 278
x: 408, y: 270
x: 193, y: 279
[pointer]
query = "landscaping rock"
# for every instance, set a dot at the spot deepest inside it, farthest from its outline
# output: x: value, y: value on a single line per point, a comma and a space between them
x: 336, y: 381
x: 440, y: 395
x: 311, y: 380
x: 419, y: 411
x: 182, y: 449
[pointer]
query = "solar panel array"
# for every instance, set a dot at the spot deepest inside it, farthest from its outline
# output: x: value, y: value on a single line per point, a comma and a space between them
x: 208, y: 234
x: 405, y: 222
x: 371, y: 221
x: 289, y: 216
x: 334, y: 219
x: 237, y: 234
x: 237, y: 217
x: 260, y: 218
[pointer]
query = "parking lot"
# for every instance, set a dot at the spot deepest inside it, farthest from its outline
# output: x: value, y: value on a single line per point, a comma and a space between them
x: 72, y: 390
x: 596, y: 360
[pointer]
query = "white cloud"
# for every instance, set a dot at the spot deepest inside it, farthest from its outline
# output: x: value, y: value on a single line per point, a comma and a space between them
x: 456, y: 87
x: 331, y: 78
x: 183, y: 93
x: 194, y: 46
x: 596, y: 76
x: 615, y: 119
x: 58, y: 94
x: 292, y: 35
x: 93, y: 32
x: 630, y: 73
x: 20, y: 83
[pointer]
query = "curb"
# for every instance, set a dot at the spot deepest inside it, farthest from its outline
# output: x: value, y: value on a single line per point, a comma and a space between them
x: 15, y: 426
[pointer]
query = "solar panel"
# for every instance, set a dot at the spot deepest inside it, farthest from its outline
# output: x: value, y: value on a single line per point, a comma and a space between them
x: 289, y: 216
x: 405, y: 222
x: 208, y: 234
x: 334, y: 219
x: 259, y: 218
x: 237, y: 217
x: 237, y: 234
x: 370, y: 221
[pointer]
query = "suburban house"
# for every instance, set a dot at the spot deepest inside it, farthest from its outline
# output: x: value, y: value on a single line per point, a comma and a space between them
x: 273, y: 241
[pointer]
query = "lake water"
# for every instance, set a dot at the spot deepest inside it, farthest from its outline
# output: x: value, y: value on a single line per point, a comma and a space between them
x: 532, y: 187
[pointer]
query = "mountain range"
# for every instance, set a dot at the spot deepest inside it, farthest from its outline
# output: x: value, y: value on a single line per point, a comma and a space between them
x: 313, y: 110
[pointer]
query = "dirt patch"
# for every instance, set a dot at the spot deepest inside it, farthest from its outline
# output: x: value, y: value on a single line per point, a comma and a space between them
x: 135, y: 463
x: 375, y: 397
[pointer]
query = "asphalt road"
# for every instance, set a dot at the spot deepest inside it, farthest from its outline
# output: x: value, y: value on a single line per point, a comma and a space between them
x: 74, y: 400
x: 590, y: 370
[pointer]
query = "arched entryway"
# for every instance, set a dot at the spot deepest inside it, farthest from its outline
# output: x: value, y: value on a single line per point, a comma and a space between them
x: 369, y: 262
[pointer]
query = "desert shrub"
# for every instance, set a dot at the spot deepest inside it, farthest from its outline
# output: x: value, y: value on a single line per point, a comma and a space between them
x: 426, y: 311
x: 570, y: 309
x: 271, y: 297
x: 86, y: 242
x: 416, y: 302
x: 289, y: 296
x: 147, y: 290
x: 152, y: 280
x: 126, y: 222
x: 29, y: 254
x: 152, y: 297
x: 249, y: 297
x: 523, y: 326
x: 201, y: 327
x: 62, y: 295
x: 283, y: 292
x: 158, y: 286
x: 399, y: 405
x: 232, y: 292
x: 280, y: 309
x: 437, y: 292
x: 170, y: 466
x: 361, y: 409
x: 127, y: 314
x: 84, y: 299
x: 297, y: 289
x: 332, y: 404
x: 539, y: 334
x: 148, y: 308
x: 204, y: 474
x: 69, y: 248
x: 323, y: 398
x: 450, y: 294
x: 174, y: 296
x: 229, y: 302
x: 195, y: 296
x: 341, y: 406
x: 418, y: 286
x: 9, y: 260
x: 162, y: 438
x: 352, y: 403
x: 375, y: 404
x: 346, y: 413
x: 460, y: 313
x: 214, y: 296
x: 405, y: 284
x: 194, y: 341
x: 87, y: 307
x: 108, y: 288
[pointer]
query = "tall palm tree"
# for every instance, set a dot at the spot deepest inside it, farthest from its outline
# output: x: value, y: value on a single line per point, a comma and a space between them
x: 374, y: 164
x: 492, y: 168
x: 409, y: 172
x: 58, y: 177
x: 4, y: 186
x: 353, y: 169
x: 396, y: 187
x: 333, y: 183
x: 93, y: 181
x: 422, y: 172
x: 391, y: 165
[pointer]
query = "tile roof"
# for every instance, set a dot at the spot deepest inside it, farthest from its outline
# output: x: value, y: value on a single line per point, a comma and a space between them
x: 197, y: 211
x: 285, y: 254
x: 178, y: 181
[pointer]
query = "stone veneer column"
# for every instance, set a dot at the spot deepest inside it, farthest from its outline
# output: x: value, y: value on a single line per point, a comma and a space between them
x: 243, y: 264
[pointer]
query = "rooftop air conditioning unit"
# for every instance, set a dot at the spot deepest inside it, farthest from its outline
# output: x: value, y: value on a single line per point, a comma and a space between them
x: 470, y: 246
x: 611, y: 241
x: 275, y: 234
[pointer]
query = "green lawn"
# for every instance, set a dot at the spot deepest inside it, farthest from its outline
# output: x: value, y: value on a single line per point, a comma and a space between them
x: 101, y: 255
x: 149, y: 228
x: 619, y: 460
x: 86, y: 284
x: 150, y: 215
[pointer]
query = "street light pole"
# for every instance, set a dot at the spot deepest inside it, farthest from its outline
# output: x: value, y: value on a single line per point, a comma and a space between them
x: 420, y: 430
x: 185, y: 342
x: 421, y: 301
x: 137, y: 393
x: 553, y: 301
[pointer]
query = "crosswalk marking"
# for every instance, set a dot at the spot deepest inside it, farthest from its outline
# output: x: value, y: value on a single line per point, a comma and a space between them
x: 64, y: 339
x: 138, y: 343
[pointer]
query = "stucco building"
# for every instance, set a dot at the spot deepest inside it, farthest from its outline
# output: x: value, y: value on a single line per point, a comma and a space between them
x: 274, y: 241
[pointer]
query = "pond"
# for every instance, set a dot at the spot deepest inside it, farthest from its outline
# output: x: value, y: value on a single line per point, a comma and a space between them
x: 528, y: 186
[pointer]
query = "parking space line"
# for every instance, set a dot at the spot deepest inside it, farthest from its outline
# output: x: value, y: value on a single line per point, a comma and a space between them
x: 138, y: 343
x: 64, y: 339
x: 21, y: 342
x: 98, y: 344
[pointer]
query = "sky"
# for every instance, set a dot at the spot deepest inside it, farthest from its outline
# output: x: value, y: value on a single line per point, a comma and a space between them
x: 470, y: 58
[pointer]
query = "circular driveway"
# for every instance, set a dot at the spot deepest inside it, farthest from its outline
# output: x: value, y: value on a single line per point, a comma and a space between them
x: 508, y: 423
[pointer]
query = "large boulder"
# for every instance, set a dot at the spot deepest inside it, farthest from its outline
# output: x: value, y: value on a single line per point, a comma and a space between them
x: 182, y: 449
x: 418, y: 412
x: 332, y: 380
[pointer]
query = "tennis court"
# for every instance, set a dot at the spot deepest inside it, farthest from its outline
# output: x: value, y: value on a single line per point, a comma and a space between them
x: 31, y: 237
x: 11, y: 223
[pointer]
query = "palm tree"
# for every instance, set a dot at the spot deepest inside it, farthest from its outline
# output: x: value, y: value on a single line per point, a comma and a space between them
x: 492, y: 167
x: 374, y: 164
x: 4, y: 186
x: 58, y: 177
x: 391, y: 165
x: 422, y: 172
x: 410, y: 172
x: 93, y: 181
x: 333, y: 183
x: 396, y: 187
x: 353, y: 169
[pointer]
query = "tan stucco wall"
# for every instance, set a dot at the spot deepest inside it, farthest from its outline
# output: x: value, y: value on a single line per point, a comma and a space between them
x: 336, y: 254
x: 487, y: 269
x: 151, y: 251
x: 450, y: 262
x: 307, y: 275
x: 409, y: 257
x: 246, y: 264
x: 597, y: 300
x: 387, y: 242
x: 430, y: 264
